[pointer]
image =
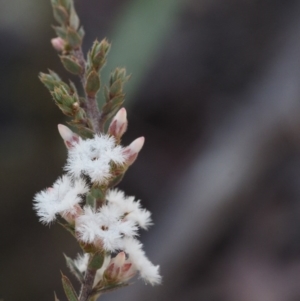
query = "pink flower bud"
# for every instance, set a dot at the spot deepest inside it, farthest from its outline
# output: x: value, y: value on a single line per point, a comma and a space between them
x: 118, y: 125
x: 68, y: 136
x: 131, y: 151
x: 70, y: 216
x: 58, y: 44
x: 120, y: 269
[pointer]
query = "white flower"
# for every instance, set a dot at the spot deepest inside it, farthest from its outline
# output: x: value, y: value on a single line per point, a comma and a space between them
x: 131, y: 209
x: 93, y: 157
x: 137, y: 257
x: 62, y: 198
x: 104, y: 227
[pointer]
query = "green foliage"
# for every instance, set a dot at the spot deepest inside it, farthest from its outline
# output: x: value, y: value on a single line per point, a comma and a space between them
x: 69, y: 289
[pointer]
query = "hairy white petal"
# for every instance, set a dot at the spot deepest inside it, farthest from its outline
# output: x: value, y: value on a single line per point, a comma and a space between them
x: 131, y: 209
x: 104, y: 226
x: 147, y: 270
x: 93, y: 157
x: 61, y: 198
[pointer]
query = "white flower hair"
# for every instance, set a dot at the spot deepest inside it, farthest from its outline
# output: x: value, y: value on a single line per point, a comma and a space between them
x: 104, y: 227
x: 61, y: 198
x: 93, y: 157
x: 129, y: 208
x: 136, y: 255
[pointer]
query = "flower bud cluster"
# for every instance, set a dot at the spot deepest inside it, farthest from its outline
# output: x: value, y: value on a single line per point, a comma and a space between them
x: 103, y: 219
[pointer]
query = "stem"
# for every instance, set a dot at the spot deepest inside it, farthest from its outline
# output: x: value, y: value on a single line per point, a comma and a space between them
x: 87, y: 286
x: 102, y: 121
x: 92, y: 108
x: 93, y: 112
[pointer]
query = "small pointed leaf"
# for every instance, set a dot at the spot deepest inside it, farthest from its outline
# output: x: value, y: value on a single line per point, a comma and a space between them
x: 60, y: 31
x: 71, y: 64
x: 74, y: 20
x: 69, y: 289
x: 60, y: 14
x: 74, y: 39
x: 92, y: 85
x: 96, y: 261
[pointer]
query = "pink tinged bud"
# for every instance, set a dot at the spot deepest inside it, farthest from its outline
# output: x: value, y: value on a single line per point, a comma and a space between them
x: 71, y: 216
x: 118, y: 126
x: 58, y: 44
x: 131, y: 151
x: 68, y: 136
x: 120, y: 269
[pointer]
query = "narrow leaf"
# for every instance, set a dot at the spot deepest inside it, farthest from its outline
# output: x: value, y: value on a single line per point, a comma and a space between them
x: 71, y: 64
x: 74, y: 39
x: 60, y: 15
x: 69, y: 289
x: 61, y: 31
x: 92, y: 85
x: 74, y: 20
x: 116, y: 88
x: 96, y: 261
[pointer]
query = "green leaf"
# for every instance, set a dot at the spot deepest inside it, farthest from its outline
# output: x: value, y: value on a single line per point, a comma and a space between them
x: 106, y: 93
x: 116, y: 88
x: 85, y: 132
x: 90, y: 201
x: 99, y: 53
x: 61, y: 31
x: 73, y: 268
x: 69, y: 289
x: 96, y: 261
x: 66, y: 3
x: 73, y: 38
x: 81, y: 32
x: 60, y: 15
x: 74, y: 19
x: 71, y: 64
x: 92, y: 85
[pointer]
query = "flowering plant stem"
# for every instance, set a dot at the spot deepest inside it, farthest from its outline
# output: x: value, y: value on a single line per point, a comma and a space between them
x: 92, y: 108
x: 87, y: 286
x: 102, y: 219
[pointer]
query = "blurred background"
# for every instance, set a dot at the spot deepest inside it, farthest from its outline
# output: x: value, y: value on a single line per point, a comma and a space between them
x: 215, y: 89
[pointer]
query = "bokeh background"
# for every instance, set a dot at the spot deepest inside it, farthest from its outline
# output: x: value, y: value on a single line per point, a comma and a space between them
x: 215, y: 89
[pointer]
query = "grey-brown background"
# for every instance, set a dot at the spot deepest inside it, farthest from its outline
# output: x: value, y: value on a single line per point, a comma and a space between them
x: 215, y: 91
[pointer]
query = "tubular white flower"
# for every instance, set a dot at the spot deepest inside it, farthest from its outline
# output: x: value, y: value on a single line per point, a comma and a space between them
x: 137, y: 257
x: 119, y: 124
x: 70, y: 138
x: 104, y: 227
x: 62, y: 198
x: 131, y: 151
x: 93, y: 157
x: 131, y: 209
